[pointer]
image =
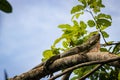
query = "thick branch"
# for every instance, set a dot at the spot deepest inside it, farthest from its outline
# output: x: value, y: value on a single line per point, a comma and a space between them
x: 66, y: 62
x: 85, y: 64
x: 98, y: 56
x: 72, y: 57
x: 59, y: 64
x: 85, y: 47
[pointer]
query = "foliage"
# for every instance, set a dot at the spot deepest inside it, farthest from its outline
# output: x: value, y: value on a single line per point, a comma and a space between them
x: 5, y: 6
x: 78, y: 33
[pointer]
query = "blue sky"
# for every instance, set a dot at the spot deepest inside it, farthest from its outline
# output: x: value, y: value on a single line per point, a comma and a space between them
x: 32, y: 28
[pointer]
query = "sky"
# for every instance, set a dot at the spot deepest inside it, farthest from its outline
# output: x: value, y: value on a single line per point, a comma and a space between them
x: 32, y: 28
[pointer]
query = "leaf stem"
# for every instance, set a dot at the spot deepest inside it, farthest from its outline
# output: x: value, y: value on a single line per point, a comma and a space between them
x: 99, y: 30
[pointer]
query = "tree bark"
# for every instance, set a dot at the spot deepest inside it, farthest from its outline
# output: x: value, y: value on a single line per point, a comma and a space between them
x: 86, y: 52
x: 66, y: 62
x: 97, y: 56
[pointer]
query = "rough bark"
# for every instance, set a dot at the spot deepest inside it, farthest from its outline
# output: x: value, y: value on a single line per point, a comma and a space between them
x: 97, y: 56
x: 80, y: 54
x: 66, y: 62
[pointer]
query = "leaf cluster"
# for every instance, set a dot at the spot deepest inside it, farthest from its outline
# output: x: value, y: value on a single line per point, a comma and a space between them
x: 78, y: 33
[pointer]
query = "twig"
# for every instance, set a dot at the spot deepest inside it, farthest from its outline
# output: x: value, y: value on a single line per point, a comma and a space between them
x: 97, y: 25
x: 91, y: 72
x: 84, y: 64
x: 6, y: 75
x: 66, y: 76
x: 109, y: 44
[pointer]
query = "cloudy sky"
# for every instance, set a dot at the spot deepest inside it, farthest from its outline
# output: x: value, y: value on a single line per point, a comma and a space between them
x: 32, y: 28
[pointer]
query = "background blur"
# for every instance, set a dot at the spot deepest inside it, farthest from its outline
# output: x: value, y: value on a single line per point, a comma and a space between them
x: 32, y: 27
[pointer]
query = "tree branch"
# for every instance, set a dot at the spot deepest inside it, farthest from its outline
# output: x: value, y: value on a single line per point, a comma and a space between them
x: 85, y: 47
x: 91, y: 72
x: 66, y: 62
x: 59, y: 64
x: 109, y: 44
x: 72, y: 57
x: 98, y: 56
x: 66, y: 76
x: 85, y: 64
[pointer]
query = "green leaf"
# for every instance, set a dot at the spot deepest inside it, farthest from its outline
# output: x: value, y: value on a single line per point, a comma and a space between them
x: 75, y: 78
x: 54, y: 50
x: 103, y: 22
x: 103, y: 16
x: 83, y: 25
x: 119, y: 76
x: 116, y: 48
x: 77, y: 9
x: 96, y: 5
x: 100, y: 4
x: 105, y: 34
x: 90, y: 1
x: 103, y: 27
x: 110, y: 42
x: 65, y: 44
x: 57, y: 41
x: 77, y: 15
x: 83, y: 2
x: 5, y: 6
x: 75, y: 23
x: 93, y: 33
x: 47, y: 54
x: 78, y: 42
x: 103, y: 50
x: 67, y: 26
x: 91, y: 23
